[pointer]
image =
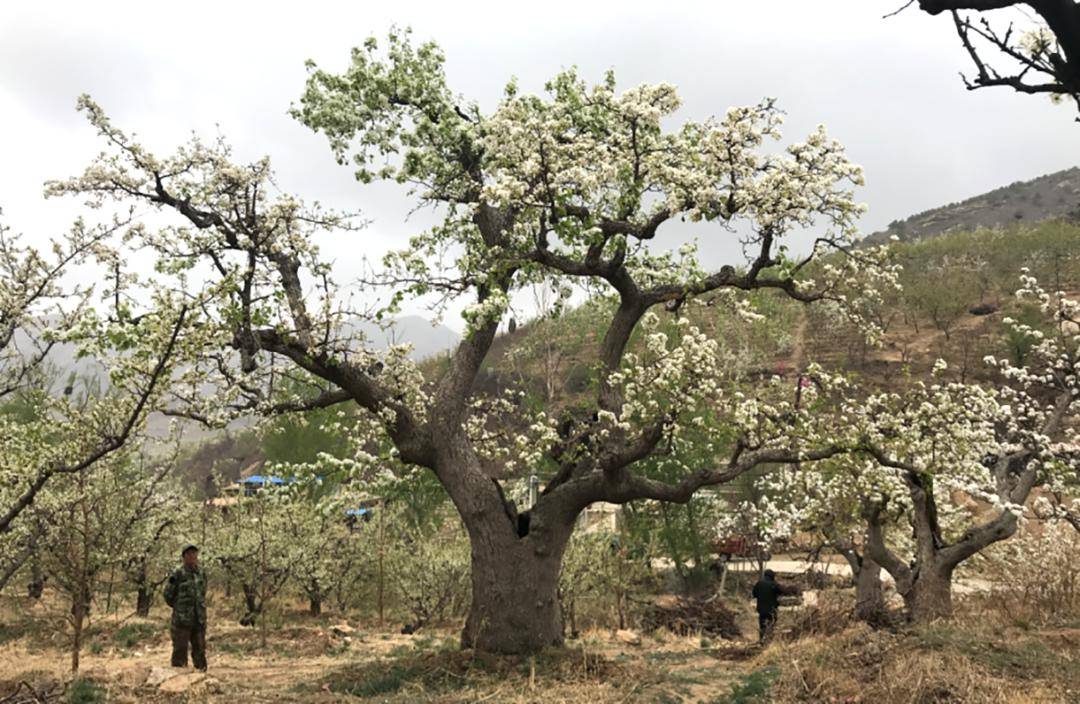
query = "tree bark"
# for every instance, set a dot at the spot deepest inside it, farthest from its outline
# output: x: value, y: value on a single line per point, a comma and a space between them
x: 515, y: 604
x: 869, y: 598
x: 143, y: 599
x: 930, y: 595
x: 251, y: 603
x: 516, y: 562
x: 78, y: 618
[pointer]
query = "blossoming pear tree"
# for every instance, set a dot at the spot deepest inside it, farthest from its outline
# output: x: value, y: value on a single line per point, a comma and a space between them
x: 925, y: 446
x: 154, y: 515
x: 321, y: 544
x: 99, y: 521
x: 574, y: 187
x: 830, y: 500
x: 49, y: 433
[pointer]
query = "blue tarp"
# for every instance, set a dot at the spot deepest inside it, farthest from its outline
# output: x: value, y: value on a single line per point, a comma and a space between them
x: 263, y: 481
x: 356, y: 511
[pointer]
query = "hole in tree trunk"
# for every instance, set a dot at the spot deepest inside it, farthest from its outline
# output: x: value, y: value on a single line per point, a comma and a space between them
x: 523, y: 524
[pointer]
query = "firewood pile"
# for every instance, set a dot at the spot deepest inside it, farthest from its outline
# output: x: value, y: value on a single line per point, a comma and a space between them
x: 705, y: 615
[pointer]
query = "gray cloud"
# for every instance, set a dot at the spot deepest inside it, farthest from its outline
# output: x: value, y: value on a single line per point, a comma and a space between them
x: 887, y: 88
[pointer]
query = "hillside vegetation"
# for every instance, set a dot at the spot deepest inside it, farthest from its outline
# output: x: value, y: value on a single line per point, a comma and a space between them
x: 957, y: 288
x: 1050, y: 197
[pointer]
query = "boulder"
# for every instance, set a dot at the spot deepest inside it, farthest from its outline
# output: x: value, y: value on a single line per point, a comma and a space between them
x: 157, y: 675
x: 627, y: 636
x: 182, y: 683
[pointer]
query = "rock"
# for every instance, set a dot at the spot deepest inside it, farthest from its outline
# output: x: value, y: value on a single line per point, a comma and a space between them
x: 178, y: 679
x: 158, y: 675
x: 347, y: 641
x: 134, y: 676
x: 628, y: 637
x: 342, y: 629
x: 182, y: 683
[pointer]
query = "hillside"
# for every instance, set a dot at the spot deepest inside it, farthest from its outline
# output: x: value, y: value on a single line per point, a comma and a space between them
x: 957, y: 288
x: 1048, y: 197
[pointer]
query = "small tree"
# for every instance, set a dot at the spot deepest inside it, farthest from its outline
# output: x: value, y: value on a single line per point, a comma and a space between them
x: 153, y: 518
x: 58, y: 437
x: 89, y: 535
x: 321, y: 544
x: 251, y: 543
x: 429, y: 571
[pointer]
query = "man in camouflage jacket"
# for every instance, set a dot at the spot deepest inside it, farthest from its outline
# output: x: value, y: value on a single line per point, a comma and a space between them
x: 185, y: 592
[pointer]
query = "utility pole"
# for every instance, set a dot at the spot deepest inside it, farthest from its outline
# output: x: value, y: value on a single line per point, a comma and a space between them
x: 534, y: 490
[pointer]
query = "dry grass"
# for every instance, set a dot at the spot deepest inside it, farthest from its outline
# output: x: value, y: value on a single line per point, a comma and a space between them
x: 819, y: 656
x: 934, y: 664
x: 559, y: 675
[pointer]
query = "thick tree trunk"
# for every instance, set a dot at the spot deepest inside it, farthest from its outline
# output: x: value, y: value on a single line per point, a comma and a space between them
x: 516, y: 557
x: 869, y: 598
x: 515, y: 604
x: 930, y: 595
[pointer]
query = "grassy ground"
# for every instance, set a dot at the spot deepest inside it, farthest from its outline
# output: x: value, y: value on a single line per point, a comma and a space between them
x: 817, y: 657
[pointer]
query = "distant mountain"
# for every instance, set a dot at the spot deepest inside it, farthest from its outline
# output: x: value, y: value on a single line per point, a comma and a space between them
x: 62, y: 365
x: 1048, y: 197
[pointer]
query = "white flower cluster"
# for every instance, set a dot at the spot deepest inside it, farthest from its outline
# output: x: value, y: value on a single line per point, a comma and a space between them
x: 502, y: 430
x: 1038, y: 42
x: 675, y: 379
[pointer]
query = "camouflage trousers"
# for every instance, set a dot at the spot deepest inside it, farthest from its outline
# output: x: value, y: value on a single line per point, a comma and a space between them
x: 182, y: 636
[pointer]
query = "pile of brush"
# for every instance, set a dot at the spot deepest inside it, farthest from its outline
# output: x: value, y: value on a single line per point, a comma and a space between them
x: 704, y: 614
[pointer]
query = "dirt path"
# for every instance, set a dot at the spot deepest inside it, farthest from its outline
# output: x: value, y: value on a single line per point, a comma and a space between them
x: 303, y: 663
x: 288, y: 670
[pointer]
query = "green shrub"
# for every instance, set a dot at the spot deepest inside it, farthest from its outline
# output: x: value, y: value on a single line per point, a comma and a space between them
x: 753, y: 688
x: 84, y: 691
x: 131, y: 634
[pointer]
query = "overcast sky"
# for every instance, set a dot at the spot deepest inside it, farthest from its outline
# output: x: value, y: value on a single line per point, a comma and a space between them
x: 888, y: 89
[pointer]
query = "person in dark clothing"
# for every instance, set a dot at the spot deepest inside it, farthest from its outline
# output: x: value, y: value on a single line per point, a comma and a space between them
x: 185, y: 592
x: 767, y: 593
